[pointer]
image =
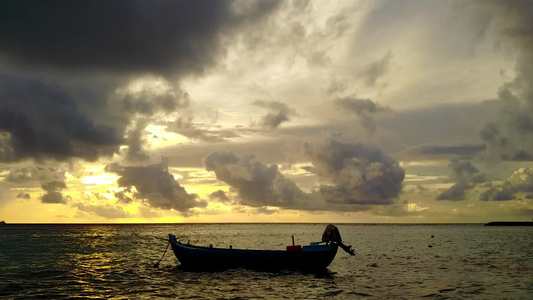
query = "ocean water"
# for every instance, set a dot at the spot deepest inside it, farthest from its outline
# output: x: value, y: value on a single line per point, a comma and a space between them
x: 392, y: 262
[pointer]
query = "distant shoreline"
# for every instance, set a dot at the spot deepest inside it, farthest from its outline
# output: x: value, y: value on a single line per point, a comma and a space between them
x: 510, y: 223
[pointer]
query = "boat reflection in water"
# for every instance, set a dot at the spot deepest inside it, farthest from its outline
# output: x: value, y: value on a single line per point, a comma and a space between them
x: 314, y: 257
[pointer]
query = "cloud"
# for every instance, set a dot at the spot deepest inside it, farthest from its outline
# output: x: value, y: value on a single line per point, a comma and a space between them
x: 398, y: 133
x: 44, y: 121
x: 22, y: 195
x: 455, y: 192
x: 187, y: 128
x: 256, y: 183
x: 374, y: 71
x: 336, y: 86
x: 107, y: 211
x: 176, y: 37
x: 157, y: 186
x: 401, y: 132
x: 265, y: 211
x: 73, y: 75
x: 464, y: 171
x: 279, y: 112
x: 145, y: 97
x: 121, y: 196
x: 463, y: 150
x: 134, y: 140
x: 496, y: 142
x: 147, y: 212
x: 364, y: 109
x: 53, y: 192
x: 512, y: 138
x: 400, y: 210
x: 34, y: 173
x: 6, y: 149
x: 220, y: 195
x: 519, y: 183
x: 465, y: 176
x: 360, y: 174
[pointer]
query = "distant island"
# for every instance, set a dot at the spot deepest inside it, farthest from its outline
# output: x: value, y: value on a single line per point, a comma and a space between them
x: 510, y: 223
x: 2, y: 223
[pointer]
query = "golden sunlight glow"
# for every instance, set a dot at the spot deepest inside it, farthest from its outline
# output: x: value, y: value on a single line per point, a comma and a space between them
x: 101, y: 179
x: 413, y: 207
x: 425, y: 163
x: 159, y: 137
x: 417, y: 178
x: 298, y: 170
x: 152, y: 84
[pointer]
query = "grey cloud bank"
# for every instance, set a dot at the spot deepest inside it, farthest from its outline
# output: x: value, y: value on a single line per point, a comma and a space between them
x: 359, y: 176
x: 168, y: 37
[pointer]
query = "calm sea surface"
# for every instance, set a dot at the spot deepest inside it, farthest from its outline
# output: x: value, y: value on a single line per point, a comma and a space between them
x: 392, y: 262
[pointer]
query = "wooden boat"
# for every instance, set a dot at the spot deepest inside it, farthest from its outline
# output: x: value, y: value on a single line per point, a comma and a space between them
x: 314, y: 257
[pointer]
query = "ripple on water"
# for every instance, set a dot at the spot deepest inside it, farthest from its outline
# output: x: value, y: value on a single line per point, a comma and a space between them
x: 392, y: 261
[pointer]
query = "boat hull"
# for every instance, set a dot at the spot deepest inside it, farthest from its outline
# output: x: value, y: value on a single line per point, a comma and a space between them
x: 310, y: 258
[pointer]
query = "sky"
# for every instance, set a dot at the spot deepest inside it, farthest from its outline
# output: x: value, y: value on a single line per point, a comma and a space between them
x: 409, y: 111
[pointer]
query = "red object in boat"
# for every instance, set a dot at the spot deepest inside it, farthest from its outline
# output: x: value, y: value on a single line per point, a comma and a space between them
x: 294, y: 248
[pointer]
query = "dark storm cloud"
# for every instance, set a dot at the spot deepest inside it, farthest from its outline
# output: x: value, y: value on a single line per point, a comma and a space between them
x: 157, y: 186
x: 53, y: 192
x: 6, y: 150
x: 44, y: 121
x: 520, y: 183
x: 361, y: 174
x: 279, y: 112
x: 64, y: 66
x: 165, y: 37
x: 465, y: 175
x: 373, y: 72
x: 149, y: 101
x: 256, y: 183
x: 364, y: 109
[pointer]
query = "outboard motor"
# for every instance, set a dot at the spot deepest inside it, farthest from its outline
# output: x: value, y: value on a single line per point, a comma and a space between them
x: 332, y: 234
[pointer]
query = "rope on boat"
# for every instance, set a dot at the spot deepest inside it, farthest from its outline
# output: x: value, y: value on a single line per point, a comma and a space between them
x: 157, y: 263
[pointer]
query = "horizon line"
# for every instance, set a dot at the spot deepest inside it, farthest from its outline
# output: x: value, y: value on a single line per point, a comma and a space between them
x: 251, y: 223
